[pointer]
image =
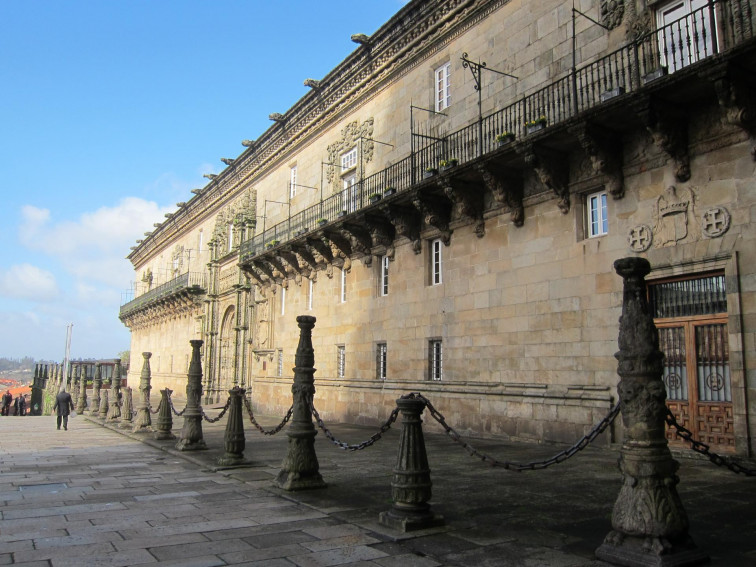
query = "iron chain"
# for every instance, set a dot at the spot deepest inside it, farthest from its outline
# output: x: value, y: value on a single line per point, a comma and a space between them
x: 346, y: 446
x: 704, y: 449
x: 273, y: 431
x: 173, y: 409
x: 220, y: 415
x: 562, y: 456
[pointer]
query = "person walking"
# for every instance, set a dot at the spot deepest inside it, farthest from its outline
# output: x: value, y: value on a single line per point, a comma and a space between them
x: 64, y: 405
x: 8, y: 402
x: 22, y: 404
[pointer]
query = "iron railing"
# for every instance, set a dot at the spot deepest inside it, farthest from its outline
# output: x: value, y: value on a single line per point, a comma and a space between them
x: 189, y: 280
x: 718, y: 26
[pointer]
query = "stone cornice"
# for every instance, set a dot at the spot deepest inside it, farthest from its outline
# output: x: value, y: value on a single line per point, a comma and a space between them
x: 419, y: 28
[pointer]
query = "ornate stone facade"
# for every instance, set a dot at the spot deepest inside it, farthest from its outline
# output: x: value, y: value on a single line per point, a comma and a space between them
x: 502, y: 258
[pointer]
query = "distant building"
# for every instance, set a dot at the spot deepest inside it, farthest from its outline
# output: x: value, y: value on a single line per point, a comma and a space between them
x: 448, y: 202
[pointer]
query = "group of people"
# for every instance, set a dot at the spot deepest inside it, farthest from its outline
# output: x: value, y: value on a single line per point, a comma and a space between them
x: 17, y: 406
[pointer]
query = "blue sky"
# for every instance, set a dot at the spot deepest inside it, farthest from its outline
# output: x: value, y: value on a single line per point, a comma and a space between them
x: 110, y: 112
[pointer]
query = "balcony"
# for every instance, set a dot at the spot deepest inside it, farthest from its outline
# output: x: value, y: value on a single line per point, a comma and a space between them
x: 590, y: 107
x: 184, y: 288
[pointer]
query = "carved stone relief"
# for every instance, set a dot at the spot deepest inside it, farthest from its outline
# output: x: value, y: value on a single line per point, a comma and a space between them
x: 640, y: 238
x: 611, y: 13
x: 350, y: 135
x: 715, y: 222
x: 674, y: 217
x: 262, y: 331
x: 177, y: 260
x: 239, y: 213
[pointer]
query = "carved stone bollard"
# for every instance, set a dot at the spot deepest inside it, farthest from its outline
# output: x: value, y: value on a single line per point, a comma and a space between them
x: 103, y: 413
x: 114, y: 411
x: 233, y: 438
x: 411, y: 482
x: 650, y: 526
x: 36, y: 392
x: 191, y: 434
x: 143, y: 419
x: 164, y: 420
x: 300, y: 468
x: 96, y: 386
x: 126, y: 412
x: 81, y: 401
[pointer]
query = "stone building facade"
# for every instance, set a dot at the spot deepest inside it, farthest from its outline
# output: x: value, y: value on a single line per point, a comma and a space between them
x: 448, y: 202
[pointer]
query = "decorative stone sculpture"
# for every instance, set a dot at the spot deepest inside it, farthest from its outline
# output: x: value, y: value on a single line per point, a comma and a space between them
x: 411, y: 483
x: 96, y: 386
x: 36, y: 392
x: 650, y: 524
x: 103, y: 411
x: 300, y: 468
x: 143, y: 419
x: 164, y: 418
x: 126, y: 411
x: 114, y: 411
x: 81, y: 402
x: 191, y: 434
x: 234, y: 441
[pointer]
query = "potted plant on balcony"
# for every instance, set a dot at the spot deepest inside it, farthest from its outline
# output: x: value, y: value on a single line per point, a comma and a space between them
x: 447, y: 164
x: 273, y: 243
x: 388, y: 191
x: 536, y: 124
x: 506, y: 137
x: 342, y: 213
x: 322, y: 221
x: 374, y: 197
x: 429, y: 172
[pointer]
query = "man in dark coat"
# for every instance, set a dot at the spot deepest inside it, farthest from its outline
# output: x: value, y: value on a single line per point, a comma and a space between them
x: 7, y: 401
x: 22, y: 404
x: 64, y: 404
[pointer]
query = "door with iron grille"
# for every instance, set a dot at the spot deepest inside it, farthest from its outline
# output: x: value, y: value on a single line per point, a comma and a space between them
x: 691, y: 315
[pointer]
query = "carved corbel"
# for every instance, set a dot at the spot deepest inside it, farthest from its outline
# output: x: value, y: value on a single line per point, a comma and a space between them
x: 321, y: 248
x: 291, y: 259
x: 305, y: 257
x: 605, y: 153
x: 506, y: 189
x: 360, y: 236
x: 406, y: 222
x: 342, y: 244
x: 381, y: 231
x: 669, y: 131
x: 734, y: 97
x: 466, y: 201
x: 436, y: 213
x: 552, y: 170
x: 264, y: 268
x: 279, y: 269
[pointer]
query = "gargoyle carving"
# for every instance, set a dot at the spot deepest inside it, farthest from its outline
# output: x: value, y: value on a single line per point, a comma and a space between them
x: 506, y: 189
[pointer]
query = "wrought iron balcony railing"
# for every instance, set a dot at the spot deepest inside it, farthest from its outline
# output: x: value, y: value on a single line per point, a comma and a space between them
x: 190, y: 281
x: 718, y: 26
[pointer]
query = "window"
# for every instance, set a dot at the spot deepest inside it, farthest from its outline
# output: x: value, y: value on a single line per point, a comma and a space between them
x: 199, y: 241
x: 349, y: 160
x: 381, y: 350
x: 283, y: 301
x: 230, y: 237
x: 293, y: 182
x: 597, y: 221
x: 442, y: 87
x: 342, y: 294
x: 687, y: 31
x: 435, y: 360
x: 350, y: 197
x: 279, y: 366
x: 340, y: 360
x: 309, y: 295
x: 435, y: 261
x: 384, y: 279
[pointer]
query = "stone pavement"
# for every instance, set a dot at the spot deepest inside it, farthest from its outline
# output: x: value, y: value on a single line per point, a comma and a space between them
x: 95, y: 496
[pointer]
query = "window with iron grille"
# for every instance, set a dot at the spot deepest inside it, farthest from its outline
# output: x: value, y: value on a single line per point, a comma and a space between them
x: 340, y: 361
x: 703, y: 295
x: 381, y: 350
x: 435, y: 360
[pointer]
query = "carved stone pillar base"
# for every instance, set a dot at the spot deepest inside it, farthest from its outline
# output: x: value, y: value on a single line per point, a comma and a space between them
x: 300, y: 468
x: 234, y: 441
x: 142, y: 422
x: 411, y: 483
x: 191, y: 434
x: 638, y: 551
x: 164, y: 421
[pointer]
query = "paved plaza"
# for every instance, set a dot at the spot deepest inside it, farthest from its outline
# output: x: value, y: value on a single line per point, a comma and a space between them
x: 96, y: 496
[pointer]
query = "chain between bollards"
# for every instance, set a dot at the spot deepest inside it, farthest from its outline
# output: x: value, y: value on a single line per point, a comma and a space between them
x: 173, y: 409
x: 359, y: 446
x: 273, y: 431
x: 220, y: 415
x: 704, y: 449
x: 560, y: 457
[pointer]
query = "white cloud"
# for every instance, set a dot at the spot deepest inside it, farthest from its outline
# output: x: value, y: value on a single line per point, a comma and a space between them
x: 24, y: 281
x: 94, y: 246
